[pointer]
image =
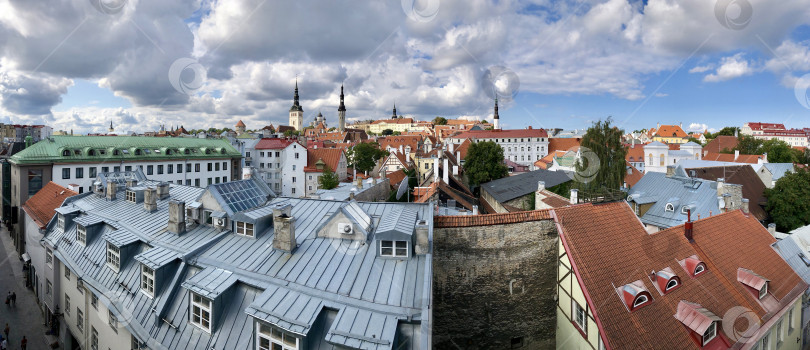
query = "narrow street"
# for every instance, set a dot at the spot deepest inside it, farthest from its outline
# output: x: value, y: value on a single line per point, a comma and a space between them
x: 24, y: 319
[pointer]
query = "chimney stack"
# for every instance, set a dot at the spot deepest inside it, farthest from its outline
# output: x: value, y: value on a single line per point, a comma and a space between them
x: 177, y: 217
x: 475, y: 210
x: 112, y: 187
x: 446, y: 171
x: 150, y: 200
x: 283, y: 228
x: 163, y: 190
x: 745, y: 206
x: 422, y: 246
x: 772, y: 229
x: 687, y: 227
x: 132, y: 183
x: 450, y: 147
x: 458, y: 157
x: 359, y: 183
x: 720, y: 189
x: 73, y: 187
x: 455, y: 170
x: 541, y: 185
x: 736, y: 154
x: 574, y: 196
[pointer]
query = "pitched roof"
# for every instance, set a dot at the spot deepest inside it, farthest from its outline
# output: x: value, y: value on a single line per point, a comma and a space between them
x: 563, y: 143
x: 635, y: 153
x: 395, y: 177
x: 394, y: 121
x: 400, y: 140
x: 242, y: 194
x: 497, y: 134
x: 463, y: 148
x: 721, y: 143
x: 633, y: 177
x: 765, y: 126
x: 40, y: 207
x: 726, y: 157
x: 743, y: 174
x: 670, y: 131
x: 273, y: 143
x: 491, y: 219
x: 330, y: 156
x: 603, y: 240
x: 659, y: 189
x: 240, y: 123
x: 511, y: 187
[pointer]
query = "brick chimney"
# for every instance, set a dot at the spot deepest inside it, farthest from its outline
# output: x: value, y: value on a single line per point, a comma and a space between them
x: 177, y: 217
x: 112, y: 187
x: 687, y: 227
x: 359, y: 183
x: 422, y: 246
x: 284, y: 228
x: 163, y: 190
x: 150, y: 200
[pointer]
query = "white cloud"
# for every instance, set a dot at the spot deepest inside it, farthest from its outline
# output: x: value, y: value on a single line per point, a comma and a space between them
x: 701, y: 69
x: 661, y: 94
x: 730, y: 67
x: 697, y: 127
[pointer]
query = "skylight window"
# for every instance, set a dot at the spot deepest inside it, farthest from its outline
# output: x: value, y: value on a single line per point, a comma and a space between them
x: 804, y: 258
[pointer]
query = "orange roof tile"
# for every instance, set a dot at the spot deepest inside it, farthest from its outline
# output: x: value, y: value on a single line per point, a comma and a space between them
x: 40, y: 207
x: 603, y: 240
x: 720, y: 143
x: 635, y: 153
x: 496, y: 134
x: 670, y: 131
x: 396, y: 177
x: 330, y: 156
x: 562, y: 143
x: 727, y: 157
x: 633, y: 177
x: 491, y: 219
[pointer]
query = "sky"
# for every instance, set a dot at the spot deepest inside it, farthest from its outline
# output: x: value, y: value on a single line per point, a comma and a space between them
x: 81, y: 64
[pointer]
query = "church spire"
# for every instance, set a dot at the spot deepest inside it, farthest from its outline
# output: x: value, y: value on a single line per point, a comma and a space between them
x: 341, y: 112
x: 496, y: 123
x: 341, y: 107
x: 394, y: 116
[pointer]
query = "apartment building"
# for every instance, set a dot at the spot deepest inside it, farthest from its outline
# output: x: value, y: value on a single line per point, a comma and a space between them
x: 280, y: 163
x: 522, y: 146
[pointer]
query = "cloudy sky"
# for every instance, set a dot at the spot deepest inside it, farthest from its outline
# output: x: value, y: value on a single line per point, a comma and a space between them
x: 79, y: 64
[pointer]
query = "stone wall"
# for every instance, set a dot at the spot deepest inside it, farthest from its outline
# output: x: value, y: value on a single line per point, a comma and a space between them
x: 378, y: 192
x: 494, y: 285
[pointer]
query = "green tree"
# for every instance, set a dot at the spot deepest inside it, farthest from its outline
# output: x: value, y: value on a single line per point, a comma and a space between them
x: 727, y: 131
x: 605, y: 141
x: 328, y: 180
x: 787, y: 205
x: 439, y: 121
x: 692, y: 139
x: 364, y: 156
x: 484, y: 122
x: 387, y: 132
x: 779, y: 151
x: 484, y: 163
x: 747, y: 144
x: 412, y: 183
x: 396, y: 133
x: 291, y: 133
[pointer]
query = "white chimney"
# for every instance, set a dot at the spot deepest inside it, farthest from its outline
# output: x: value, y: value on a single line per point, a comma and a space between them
x: 73, y: 187
x: 177, y: 217
x: 407, y: 158
x: 401, y: 149
x: 455, y: 170
x: 435, y: 169
x: 475, y: 210
x: 541, y: 185
x: 163, y: 190
x: 446, y: 171
x: 574, y: 196
x: 745, y: 207
x: 150, y: 199
x: 450, y: 147
x: 736, y: 154
x: 772, y: 229
x: 247, y: 172
x: 720, y: 182
x: 458, y: 157
x: 422, y: 245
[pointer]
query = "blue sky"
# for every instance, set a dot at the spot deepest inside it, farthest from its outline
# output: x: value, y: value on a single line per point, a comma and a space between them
x: 701, y: 63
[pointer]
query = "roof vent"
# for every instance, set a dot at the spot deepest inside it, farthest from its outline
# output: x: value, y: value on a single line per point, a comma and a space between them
x: 693, y: 266
x: 634, y: 295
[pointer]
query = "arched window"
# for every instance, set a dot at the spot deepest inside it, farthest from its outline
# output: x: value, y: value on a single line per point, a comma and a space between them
x: 662, y: 159
x: 91, y: 152
x: 66, y: 153
x: 186, y: 151
x: 669, y: 207
x: 115, y: 152
x: 137, y: 152
x: 699, y: 269
x: 650, y: 158
x: 672, y: 284
x: 640, y: 300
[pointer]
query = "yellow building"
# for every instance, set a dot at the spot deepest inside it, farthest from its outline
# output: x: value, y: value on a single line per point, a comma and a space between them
x: 670, y: 134
x: 685, y: 287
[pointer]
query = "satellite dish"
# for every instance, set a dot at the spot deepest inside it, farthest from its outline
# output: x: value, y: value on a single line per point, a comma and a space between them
x: 403, y: 187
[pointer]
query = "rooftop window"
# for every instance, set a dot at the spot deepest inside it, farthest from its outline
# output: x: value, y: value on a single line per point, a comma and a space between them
x: 113, y: 257
x: 201, y: 312
x: 81, y: 234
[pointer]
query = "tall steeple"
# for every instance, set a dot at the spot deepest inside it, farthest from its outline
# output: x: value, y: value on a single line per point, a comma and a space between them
x: 111, y: 127
x: 496, y: 123
x: 394, y: 116
x: 341, y: 112
x: 296, y: 111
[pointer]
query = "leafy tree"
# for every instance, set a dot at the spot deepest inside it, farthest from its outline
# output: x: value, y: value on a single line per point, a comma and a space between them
x: 439, y: 121
x: 332, y: 129
x: 779, y: 151
x: 387, y: 132
x: 605, y: 141
x: 727, y: 131
x: 484, y: 163
x: 787, y: 205
x: 291, y: 133
x: 397, y: 133
x: 328, y: 180
x: 364, y: 156
x: 692, y: 139
x: 484, y: 122
x: 747, y: 144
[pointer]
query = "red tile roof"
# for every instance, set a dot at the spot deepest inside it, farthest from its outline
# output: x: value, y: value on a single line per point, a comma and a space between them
x: 609, y: 247
x: 563, y: 144
x: 396, y: 177
x: 400, y: 140
x: 634, y: 176
x: 330, y: 156
x: 273, y: 143
x: 766, y: 126
x: 491, y: 219
x: 497, y: 134
x: 635, y: 153
x: 720, y: 143
x: 40, y: 207
x: 462, y: 148
x: 670, y: 131
x: 240, y: 124
x: 394, y: 121
x: 726, y: 157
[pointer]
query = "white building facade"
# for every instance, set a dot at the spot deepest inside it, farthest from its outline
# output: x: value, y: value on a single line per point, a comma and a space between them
x: 522, y: 146
x: 280, y: 163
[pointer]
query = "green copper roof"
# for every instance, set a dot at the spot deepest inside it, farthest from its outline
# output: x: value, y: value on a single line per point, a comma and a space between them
x: 84, y: 149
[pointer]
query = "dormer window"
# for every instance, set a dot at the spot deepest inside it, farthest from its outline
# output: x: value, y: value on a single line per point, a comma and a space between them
x: 634, y: 295
x: 91, y: 152
x: 672, y: 284
x: 693, y: 266
x: 669, y: 207
x: 764, y: 291
x: 665, y: 280
x: 116, y: 152
x: 132, y: 197
x: 710, y: 333
x: 640, y: 301
x: 81, y: 234
x: 113, y: 257
x: 699, y: 269
x: 394, y: 249
x: 270, y: 337
x: 757, y: 283
x: 804, y: 258
x: 244, y: 229
x: 137, y: 152
x: 148, y: 281
x: 201, y: 312
x: 66, y: 153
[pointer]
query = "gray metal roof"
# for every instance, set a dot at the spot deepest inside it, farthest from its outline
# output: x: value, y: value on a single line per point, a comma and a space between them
x: 241, y: 195
x: 779, y: 169
x: 357, y: 214
x: 657, y: 188
x: 120, y: 238
x: 400, y: 221
x: 790, y: 249
x: 512, y: 187
x: 337, y: 293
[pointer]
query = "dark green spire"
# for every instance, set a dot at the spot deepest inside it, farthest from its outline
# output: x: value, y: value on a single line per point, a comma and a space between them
x: 296, y: 107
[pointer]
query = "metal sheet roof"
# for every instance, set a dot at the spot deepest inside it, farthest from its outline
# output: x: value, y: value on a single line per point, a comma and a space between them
x: 157, y: 257
x: 779, y: 169
x: 659, y: 189
x: 287, y: 309
x: 511, y: 187
x: 120, y: 238
x: 399, y: 221
x: 362, y: 329
x: 210, y: 282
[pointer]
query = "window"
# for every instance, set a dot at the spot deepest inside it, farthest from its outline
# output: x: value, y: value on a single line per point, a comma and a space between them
x: 244, y: 229
x: 216, y: 166
x: 136, y: 344
x: 247, y: 154
x: 197, y: 182
x: 201, y: 312
x: 671, y: 284
x: 67, y: 304
x: 270, y: 337
x: 197, y: 168
x: 210, y: 167
x: 80, y: 320
x: 293, y: 190
x: 699, y: 269
x: 66, y: 173
x: 94, y: 300
x: 766, y: 341
x: 296, y: 155
x: 170, y: 169
x: 261, y: 154
x: 128, y: 168
x: 662, y: 159
x: 148, y: 281
x: 112, y: 320
x: 49, y: 257
x: 188, y: 182
x: 790, y: 321
x: 188, y: 168
x: 224, y: 179
x: 80, y: 285
x: 580, y: 317
x: 160, y: 169
x: 764, y: 291
x: 48, y: 287
x: 779, y: 336
x: 93, y: 338
x: 105, y: 169
x: 116, y: 169
x: 395, y: 249
x: 224, y: 165
x: 210, y: 181
x: 113, y: 257
x: 131, y: 197
x: 640, y: 301
x: 669, y: 207
x: 710, y: 333
x: 293, y: 179
x: 81, y: 234
x: 179, y: 168
x: 80, y: 173
x: 150, y: 169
